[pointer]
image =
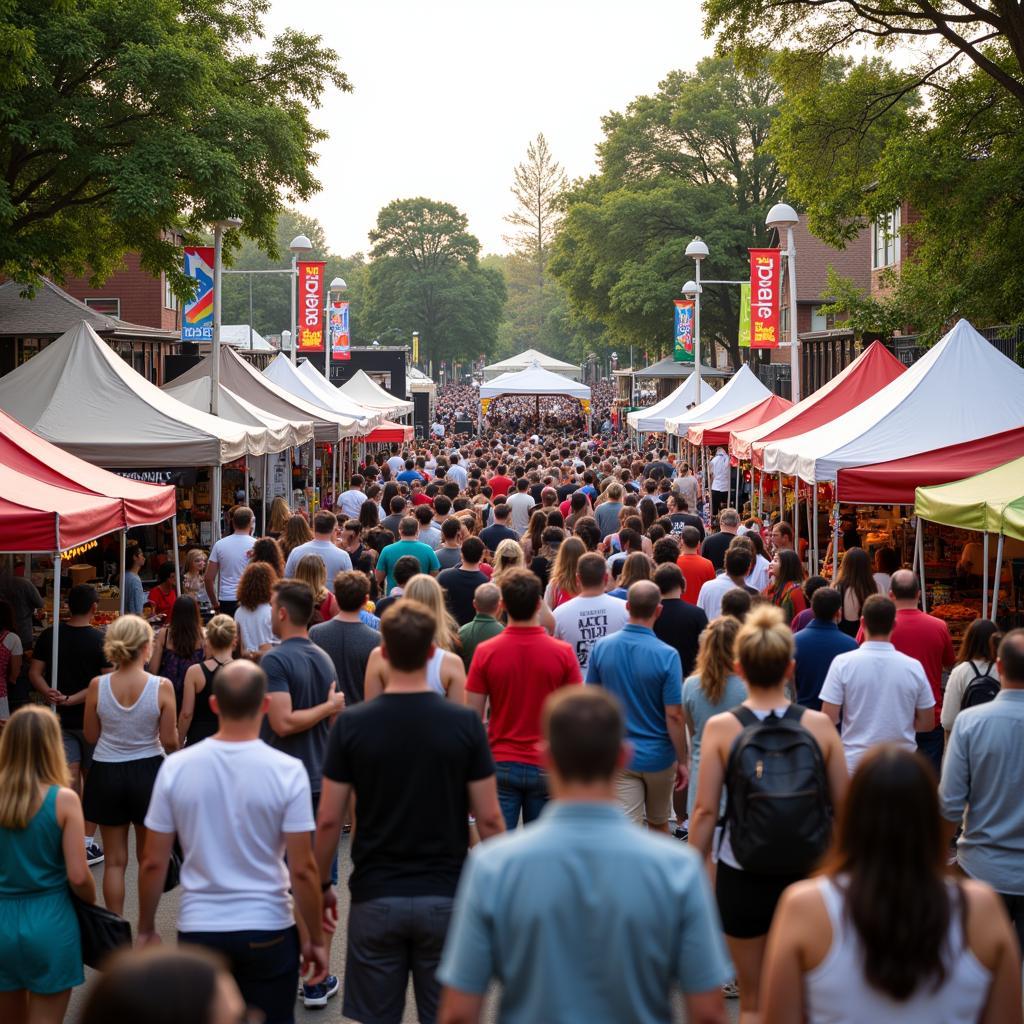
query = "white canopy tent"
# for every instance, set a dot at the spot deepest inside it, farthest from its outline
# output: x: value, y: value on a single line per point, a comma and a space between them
x: 744, y: 389
x: 962, y: 389
x: 525, y: 359
x: 536, y: 381
x: 652, y: 419
x: 365, y: 391
x: 304, y: 381
x: 79, y: 394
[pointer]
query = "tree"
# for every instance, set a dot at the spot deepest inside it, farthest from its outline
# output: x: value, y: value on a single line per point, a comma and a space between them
x: 690, y: 160
x: 425, y: 276
x: 121, y: 121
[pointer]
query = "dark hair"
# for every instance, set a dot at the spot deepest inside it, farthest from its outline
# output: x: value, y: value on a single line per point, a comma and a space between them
x: 450, y: 529
x: 266, y: 549
x: 592, y: 569
x: 239, y: 697
x: 81, y: 598
x: 472, y: 550
x: 825, y: 602
x: 630, y: 540
x: 888, y: 850
x: 791, y: 569
x: 669, y: 577
x: 297, y: 599
x: 1011, y: 655
x: 666, y: 550
x: 256, y: 585
x: 131, y: 551
x: 520, y: 592
x: 738, y: 560
x: 855, y: 575
x: 879, y: 615
x: 242, y: 517
x: 165, y: 572
x: 584, y: 728
x: 352, y: 525
x: 351, y: 589
x: 185, y: 629
x: 812, y: 584
x: 737, y: 603
x: 501, y: 511
x: 979, y: 642
x: 423, y: 514
x: 656, y: 533
x: 405, y: 568
x: 397, y: 505
x: 784, y: 528
x: 159, y: 985
x: 324, y: 521
x: 691, y: 536
x: 408, y: 526
x: 407, y: 632
x: 369, y: 514
x: 442, y: 505
x: 356, y: 481
x: 886, y: 560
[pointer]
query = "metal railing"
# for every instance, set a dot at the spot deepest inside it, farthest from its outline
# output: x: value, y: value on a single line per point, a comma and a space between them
x: 1008, y: 340
x: 776, y: 377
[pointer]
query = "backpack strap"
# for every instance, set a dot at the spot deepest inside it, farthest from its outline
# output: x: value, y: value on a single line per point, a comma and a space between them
x: 794, y: 712
x: 974, y: 669
x: 745, y: 715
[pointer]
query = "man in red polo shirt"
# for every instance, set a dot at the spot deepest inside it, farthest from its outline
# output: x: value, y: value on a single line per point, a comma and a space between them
x: 517, y: 670
x: 697, y: 570
x: 500, y: 483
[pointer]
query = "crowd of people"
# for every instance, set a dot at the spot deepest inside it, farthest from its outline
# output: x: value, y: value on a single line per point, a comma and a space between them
x: 581, y: 743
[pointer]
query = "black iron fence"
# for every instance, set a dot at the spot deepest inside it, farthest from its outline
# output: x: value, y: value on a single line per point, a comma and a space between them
x: 776, y: 377
x: 1008, y: 340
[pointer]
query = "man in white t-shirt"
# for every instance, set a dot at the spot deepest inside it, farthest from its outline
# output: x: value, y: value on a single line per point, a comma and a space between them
x: 521, y: 503
x: 883, y: 695
x: 737, y: 564
x: 592, y: 614
x: 237, y: 807
x: 719, y: 481
x: 325, y: 528
x: 456, y: 473
x: 227, y: 562
x: 397, y: 462
x: 351, y: 501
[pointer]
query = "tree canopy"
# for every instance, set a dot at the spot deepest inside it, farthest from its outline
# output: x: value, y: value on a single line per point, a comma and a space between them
x: 121, y: 121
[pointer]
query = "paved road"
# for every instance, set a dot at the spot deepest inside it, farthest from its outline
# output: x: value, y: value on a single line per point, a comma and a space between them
x: 167, y: 916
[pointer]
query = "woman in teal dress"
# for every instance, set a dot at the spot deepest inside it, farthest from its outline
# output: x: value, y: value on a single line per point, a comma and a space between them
x: 42, y: 852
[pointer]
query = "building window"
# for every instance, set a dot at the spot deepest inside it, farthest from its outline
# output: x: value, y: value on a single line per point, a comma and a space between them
x: 170, y: 299
x: 822, y: 321
x: 885, y: 237
x: 108, y: 307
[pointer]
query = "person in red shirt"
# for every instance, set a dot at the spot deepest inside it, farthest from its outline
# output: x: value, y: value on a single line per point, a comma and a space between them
x: 418, y: 494
x: 926, y: 638
x: 164, y: 594
x: 517, y: 670
x: 697, y: 570
x: 500, y: 483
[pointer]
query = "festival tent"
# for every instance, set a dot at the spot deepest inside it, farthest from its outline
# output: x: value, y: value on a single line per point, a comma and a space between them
x: 652, y: 419
x: 247, y: 382
x: 387, y: 431
x: 875, y: 367
x: 743, y: 390
x: 79, y: 394
x: 962, y: 389
x: 365, y: 391
x: 718, y: 430
x: 525, y: 359
x: 895, y: 482
x: 308, y: 383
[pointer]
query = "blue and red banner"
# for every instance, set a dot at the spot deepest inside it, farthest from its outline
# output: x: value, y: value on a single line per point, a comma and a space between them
x: 197, y: 313
x: 682, y: 351
x: 338, y: 326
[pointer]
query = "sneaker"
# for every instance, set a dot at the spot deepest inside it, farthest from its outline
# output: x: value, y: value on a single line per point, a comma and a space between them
x: 316, y: 996
x: 682, y: 833
x: 94, y: 853
x: 730, y: 990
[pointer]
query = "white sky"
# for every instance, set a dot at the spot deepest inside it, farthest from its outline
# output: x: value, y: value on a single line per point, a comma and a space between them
x: 447, y: 94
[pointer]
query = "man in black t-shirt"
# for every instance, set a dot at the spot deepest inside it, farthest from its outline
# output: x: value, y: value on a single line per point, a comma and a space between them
x: 460, y: 583
x: 417, y: 765
x: 715, y: 546
x: 680, y: 624
x: 500, y: 530
x: 681, y: 517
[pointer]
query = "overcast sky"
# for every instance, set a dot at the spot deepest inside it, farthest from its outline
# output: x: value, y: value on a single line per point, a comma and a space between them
x: 448, y: 93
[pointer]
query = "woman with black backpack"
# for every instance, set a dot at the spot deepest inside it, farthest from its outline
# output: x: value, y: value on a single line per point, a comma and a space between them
x: 784, y: 774
x: 975, y: 679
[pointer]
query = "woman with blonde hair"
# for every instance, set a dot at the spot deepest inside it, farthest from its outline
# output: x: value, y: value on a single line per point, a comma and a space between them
x: 197, y: 721
x: 563, y: 585
x: 296, y: 532
x: 446, y: 675
x: 192, y: 579
x: 280, y: 513
x: 131, y: 718
x: 312, y: 571
x: 508, y: 556
x: 748, y: 891
x: 42, y: 854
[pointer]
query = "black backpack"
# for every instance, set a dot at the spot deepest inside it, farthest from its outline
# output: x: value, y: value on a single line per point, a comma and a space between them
x: 778, y: 808
x: 980, y: 690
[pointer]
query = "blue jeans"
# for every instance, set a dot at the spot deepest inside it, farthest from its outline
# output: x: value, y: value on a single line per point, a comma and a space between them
x: 521, y: 788
x: 931, y: 744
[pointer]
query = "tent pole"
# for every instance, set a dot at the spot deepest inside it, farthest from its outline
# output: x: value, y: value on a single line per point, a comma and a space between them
x: 124, y: 537
x: 782, y: 504
x: 174, y: 542
x: 245, y: 474
x: 918, y: 553
x: 814, y: 530
x: 984, y: 584
x: 266, y: 463
x: 54, y: 677
x: 995, y: 581
x: 835, y: 536
x: 215, y: 502
x: 334, y: 474
x: 796, y: 515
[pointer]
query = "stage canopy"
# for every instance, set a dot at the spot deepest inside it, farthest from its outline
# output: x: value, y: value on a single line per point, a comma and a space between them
x: 534, y: 381
x: 991, y: 502
x: 670, y: 367
x: 79, y: 394
x: 717, y: 431
x: 652, y: 419
x: 365, y: 391
x: 875, y: 367
x: 744, y: 389
x: 305, y: 382
x: 525, y: 359
x: 895, y: 482
x: 962, y: 389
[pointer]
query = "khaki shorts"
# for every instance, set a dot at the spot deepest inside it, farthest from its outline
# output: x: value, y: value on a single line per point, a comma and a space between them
x: 647, y: 795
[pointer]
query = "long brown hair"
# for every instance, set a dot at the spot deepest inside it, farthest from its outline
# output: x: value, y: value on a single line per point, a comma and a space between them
x: 296, y: 532
x: 279, y: 515
x: 31, y: 755
x: 563, y: 572
x: 889, y: 852
x: 855, y: 575
x: 716, y: 656
x: 979, y: 642
x: 538, y: 521
x: 185, y: 630
x: 635, y: 567
x: 268, y: 550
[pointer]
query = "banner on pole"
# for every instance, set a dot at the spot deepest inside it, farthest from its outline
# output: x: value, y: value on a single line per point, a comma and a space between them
x: 765, y: 297
x: 311, y: 296
x: 338, y: 326
x: 197, y: 313
x: 415, y: 346
x: 744, y: 338
x: 682, y: 350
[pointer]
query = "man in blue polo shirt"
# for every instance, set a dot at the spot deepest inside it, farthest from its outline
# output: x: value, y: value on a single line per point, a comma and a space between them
x: 817, y: 645
x: 647, y: 677
x: 407, y: 544
x: 605, y: 944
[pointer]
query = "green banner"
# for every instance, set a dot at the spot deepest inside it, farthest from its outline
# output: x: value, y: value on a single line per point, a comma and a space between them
x: 745, y: 315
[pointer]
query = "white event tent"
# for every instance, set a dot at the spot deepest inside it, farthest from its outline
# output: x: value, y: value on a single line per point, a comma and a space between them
x: 306, y: 383
x: 744, y: 389
x: 534, y: 381
x: 365, y: 391
x: 525, y: 359
x: 79, y: 394
x: 962, y: 389
x: 652, y: 419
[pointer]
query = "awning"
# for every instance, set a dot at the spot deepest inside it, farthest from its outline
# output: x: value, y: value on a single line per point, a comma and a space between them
x: 652, y: 419
x: 534, y: 380
x: 388, y: 431
x: 306, y: 382
x: 717, y: 431
x: 365, y: 391
x: 990, y: 502
x: 742, y: 391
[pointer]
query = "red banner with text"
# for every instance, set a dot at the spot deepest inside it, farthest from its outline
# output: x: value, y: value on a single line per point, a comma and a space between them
x: 765, y: 297
x: 311, y: 300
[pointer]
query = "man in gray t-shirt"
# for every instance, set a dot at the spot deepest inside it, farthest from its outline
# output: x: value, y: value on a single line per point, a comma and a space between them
x: 325, y: 529
x: 346, y: 639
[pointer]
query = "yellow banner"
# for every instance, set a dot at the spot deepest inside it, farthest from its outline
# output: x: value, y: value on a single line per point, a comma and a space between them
x: 484, y: 403
x: 585, y: 402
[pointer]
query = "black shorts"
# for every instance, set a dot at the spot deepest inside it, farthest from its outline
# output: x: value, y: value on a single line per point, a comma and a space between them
x: 118, y: 792
x: 77, y: 749
x: 746, y: 901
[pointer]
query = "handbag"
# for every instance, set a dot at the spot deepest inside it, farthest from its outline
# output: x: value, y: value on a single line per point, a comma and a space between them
x: 174, y: 867
x: 103, y: 932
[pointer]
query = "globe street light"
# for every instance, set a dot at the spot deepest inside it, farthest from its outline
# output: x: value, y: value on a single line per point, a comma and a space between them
x: 697, y: 250
x: 780, y: 216
x: 300, y: 246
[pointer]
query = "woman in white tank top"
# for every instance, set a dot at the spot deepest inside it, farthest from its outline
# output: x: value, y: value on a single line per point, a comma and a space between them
x: 130, y: 715
x: 884, y: 935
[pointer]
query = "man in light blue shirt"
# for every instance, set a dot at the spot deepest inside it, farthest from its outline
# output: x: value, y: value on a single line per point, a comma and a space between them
x: 982, y: 771
x: 325, y: 528
x: 582, y: 916
x: 647, y: 677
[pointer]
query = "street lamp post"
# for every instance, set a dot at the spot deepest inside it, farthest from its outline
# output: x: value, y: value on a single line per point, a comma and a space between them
x: 300, y: 245
x: 218, y: 241
x: 697, y: 250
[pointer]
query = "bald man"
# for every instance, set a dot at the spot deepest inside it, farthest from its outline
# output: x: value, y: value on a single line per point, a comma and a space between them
x: 484, y: 625
x: 647, y: 677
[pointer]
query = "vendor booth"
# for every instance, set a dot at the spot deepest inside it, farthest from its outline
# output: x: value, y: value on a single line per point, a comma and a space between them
x: 652, y: 419
x: 365, y: 391
x: 537, y: 382
x: 743, y: 390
